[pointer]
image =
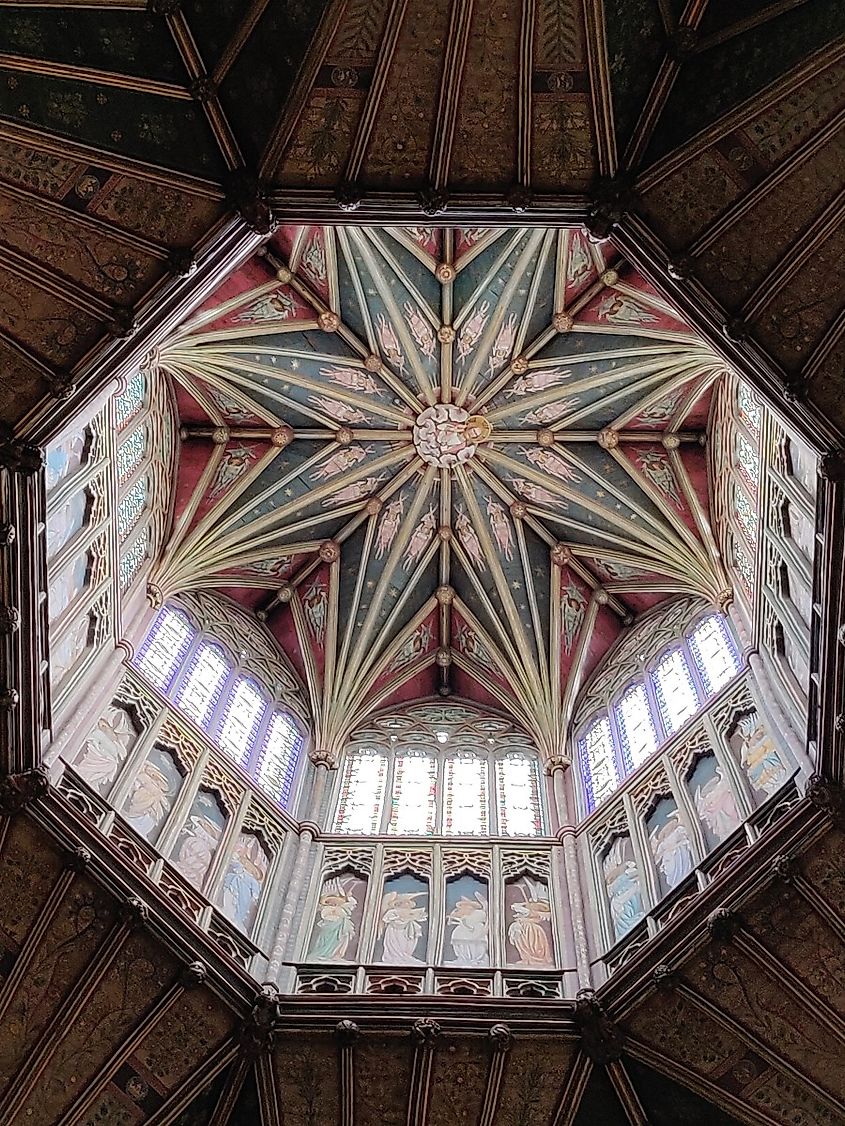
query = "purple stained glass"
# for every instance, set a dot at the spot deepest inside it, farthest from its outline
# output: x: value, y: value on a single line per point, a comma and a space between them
x: 279, y: 756
x: 636, y: 726
x: 675, y: 690
x: 202, y: 686
x: 598, y: 761
x: 164, y: 650
x: 241, y: 717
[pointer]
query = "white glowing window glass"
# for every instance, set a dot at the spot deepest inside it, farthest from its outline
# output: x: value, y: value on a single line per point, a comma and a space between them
x: 165, y: 647
x: 278, y: 758
x: 362, y: 793
x: 127, y: 405
x: 518, y: 790
x: 675, y: 690
x: 130, y: 454
x: 68, y: 585
x: 132, y: 558
x: 748, y: 408
x: 130, y: 508
x: 714, y: 653
x: 243, y: 712
x: 201, y: 690
x: 747, y: 460
x: 65, y: 521
x: 746, y: 515
x: 636, y: 727
x: 598, y: 762
x: 465, y: 805
x: 413, y: 799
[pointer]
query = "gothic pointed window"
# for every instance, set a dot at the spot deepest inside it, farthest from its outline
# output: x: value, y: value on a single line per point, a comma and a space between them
x: 278, y: 757
x: 130, y: 508
x: 362, y: 792
x: 675, y: 690
x: 518, y: 792
x: 131, y: 400
x: 714, y: 653
x: 165, y: 647
x: 636, y: 727
x: 598, y: 761
x: 202, y: 686
x: 465, y: 811
x: 241, y: 717
x: 413, y: 796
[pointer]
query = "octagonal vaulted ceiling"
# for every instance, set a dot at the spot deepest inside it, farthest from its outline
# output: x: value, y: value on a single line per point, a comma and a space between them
x: 457, y: 460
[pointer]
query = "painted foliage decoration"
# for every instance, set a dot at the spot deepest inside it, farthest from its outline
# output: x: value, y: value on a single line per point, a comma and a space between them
x: 441, y: 419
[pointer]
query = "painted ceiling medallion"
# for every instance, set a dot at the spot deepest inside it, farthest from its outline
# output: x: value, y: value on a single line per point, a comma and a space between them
x: 446, y: 435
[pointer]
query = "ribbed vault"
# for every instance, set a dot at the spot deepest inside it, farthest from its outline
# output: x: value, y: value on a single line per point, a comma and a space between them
x: 455, y: 459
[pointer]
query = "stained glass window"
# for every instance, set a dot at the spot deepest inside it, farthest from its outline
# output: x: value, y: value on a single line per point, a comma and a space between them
x: 636, y: 727
x: 130, y: 507
x: 277, y: 760
x: 241, y: 717
x: 205, y: 680
x: 465, y: 805
x: 675, y: 690
x: 748, y: 408
x: 745, y: 514
x: 165, y: 647
x: 598, y: 761
x: 714, y: 653
x: 127, y: 404
x: 132, y: 558
x: 747, y: 460
x: 362, y: 792
x: 518, y: 788
x: 414, y: 790
x: 130, y: 454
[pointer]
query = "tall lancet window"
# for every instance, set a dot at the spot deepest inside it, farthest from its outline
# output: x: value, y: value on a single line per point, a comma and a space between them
x: 440, y: 770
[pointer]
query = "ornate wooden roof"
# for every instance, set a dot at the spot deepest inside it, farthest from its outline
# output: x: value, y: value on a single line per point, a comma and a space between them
x: 455, y: 459
x: 688, y: 132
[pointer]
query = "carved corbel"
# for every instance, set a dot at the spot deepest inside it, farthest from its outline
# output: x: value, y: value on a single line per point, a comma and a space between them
x: 247, y: 194
x: 258, y: 1030
x: 828, y: 797
x: 613, y: 197
x: 17, y: 791
x: 601, y: 1040
x: 17, y: 456
x: 723, y: 924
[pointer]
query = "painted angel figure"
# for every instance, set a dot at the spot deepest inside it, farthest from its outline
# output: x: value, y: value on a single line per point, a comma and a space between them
x: 502, y: 345
x: 342, y: 412
x: 623, y: 310
x: 389, y: 526
x: 472, y: 330
x: 334, y: 929
x: 389, y: 342
x: 357, y: 490
x: 759, y: 756
x: 716, y: 806
x: 527, y: 932
x: 658, y: 470
x: 243, y: 882
x: 352, y: 379
x: 196, y: 851
x: 420, y: 538
x: 580, y: 263
x: 536, y: 493
x: 552, y: 463
x: 573, y: 605
x: 340, y: 461
x: 469, y: 539
x: 470, y: 939
x: 550, y: 412
x: 313, y: 260
x: 316, y: 607
x: 106, y: 748
x: 421, y: 330
x: 276, y: 306
x: 500, y: 526
x: 537, y: 381
x: 400, y: 925
x: 672, y: 849
x: 235, y: 462
x: 622, y: 880
x: 150, y: 799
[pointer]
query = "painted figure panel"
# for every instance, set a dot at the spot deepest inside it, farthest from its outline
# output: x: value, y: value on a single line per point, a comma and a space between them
x: 154, y: 790
x: 66, y: 652
x: 402, y: 938
x: 65, y: 522
x: 758, y: 755
x: 68, y: 584
x: 466, y: 939
x: 670, y: 844
x: 528, y: 912
x: 63, y: 460
x: 714, y: 800
x: 197, y: 842
x: 244, y: 881
x: 623, y: 887
x: 336, y: 932
x: 106, y: 749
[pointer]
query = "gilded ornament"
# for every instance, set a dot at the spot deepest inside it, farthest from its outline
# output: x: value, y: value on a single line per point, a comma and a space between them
x: 519, y: 366
x: 284, y: 592
x: 444, y: 657
x: 329, y: 551
x: 562, y: 322
x: 519, y: 510
x: 220, y: 435
x: 445, y: 595
x: 610, y: 277
x: 561, y: 554
x: 284, y: 275
x: 282, y: 436
x: 372, y: 362
x: 608, y: 438
x: 545, y: 437
x: 329, y: 321
x: 445, y: 334
x: 671, y: 441
x: 445, y: 272
x: 343, y: 436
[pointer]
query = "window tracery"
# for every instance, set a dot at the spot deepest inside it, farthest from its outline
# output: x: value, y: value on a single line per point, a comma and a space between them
x: 673, y: 685
x: 448, y: 770
x: 242, y: 713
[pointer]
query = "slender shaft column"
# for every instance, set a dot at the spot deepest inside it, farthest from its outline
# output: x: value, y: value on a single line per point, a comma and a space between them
x: 564, y: 810
x: 308, y: 831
